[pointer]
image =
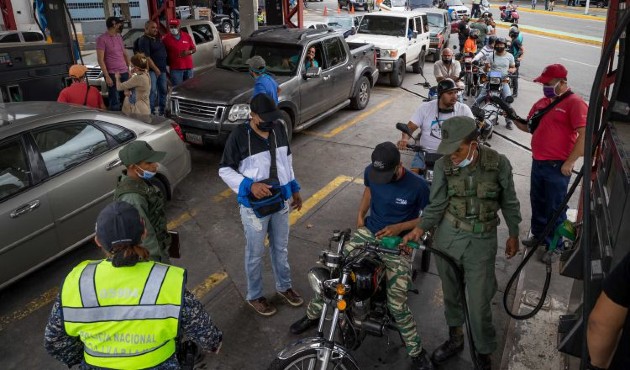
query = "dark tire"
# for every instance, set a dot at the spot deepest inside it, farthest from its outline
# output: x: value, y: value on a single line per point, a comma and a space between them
x: 398, y: 74
x: 426, y: 261
x: 161, y: 184
x: 361, y: 96
x: 226, y: 27
x: 418, y: 66
x: 301, y: 361
x: 288, y: 124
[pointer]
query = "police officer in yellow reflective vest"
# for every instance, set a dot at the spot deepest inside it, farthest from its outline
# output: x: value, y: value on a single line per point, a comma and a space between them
x: 125, y: 312
x: 471, y: 184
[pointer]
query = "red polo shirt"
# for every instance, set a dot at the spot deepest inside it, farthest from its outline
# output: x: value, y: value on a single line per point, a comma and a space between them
x: 556, y: 134
x: 75, y: 94
x: 174, y: 49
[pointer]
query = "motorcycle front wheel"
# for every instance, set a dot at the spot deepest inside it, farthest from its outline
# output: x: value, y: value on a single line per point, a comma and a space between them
x: 308, y: 360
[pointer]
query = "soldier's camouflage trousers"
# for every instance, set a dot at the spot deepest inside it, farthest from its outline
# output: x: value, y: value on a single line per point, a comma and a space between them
x: 398, y: 274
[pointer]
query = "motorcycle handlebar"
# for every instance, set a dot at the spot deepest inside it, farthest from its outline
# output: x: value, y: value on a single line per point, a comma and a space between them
x: 376, y: 248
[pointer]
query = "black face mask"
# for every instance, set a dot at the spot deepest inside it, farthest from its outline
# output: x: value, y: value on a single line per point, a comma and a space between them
x: 265, y: 126
x: 447, y: 60
x: 499, y: 49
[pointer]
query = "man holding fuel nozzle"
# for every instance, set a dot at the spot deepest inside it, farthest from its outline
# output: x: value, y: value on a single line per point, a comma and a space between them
x: 471, y: 184
x: 394, y: 197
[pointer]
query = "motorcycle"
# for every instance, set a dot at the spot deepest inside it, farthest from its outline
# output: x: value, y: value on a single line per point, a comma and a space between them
x: 491, y: 107
x: 512, y: 18
x: 471, y: 75
x: 484, y: 7
x: 352, y: 286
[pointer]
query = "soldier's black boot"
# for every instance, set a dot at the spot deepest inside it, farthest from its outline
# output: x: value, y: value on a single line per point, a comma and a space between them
x: 422, y: 362
x: 303, y: 325
x: 485, y: 361
x: 451, y: 347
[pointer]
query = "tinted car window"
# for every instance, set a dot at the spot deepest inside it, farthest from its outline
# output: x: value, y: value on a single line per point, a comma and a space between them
x: 335, y: 53
x: 13, y: 37
x: 202, y: 33
x: 63, y: 147
x: 121, y: 134
x: 32, y: 36
x: 281, y: 59
x: 14, y: 169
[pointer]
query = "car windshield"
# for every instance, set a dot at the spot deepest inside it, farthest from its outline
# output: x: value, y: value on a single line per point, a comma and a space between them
x: 414, y: 4
x: 379, y: 25
x: 436, y: 20
x: 394, y: 3
x: 340, y: 22
x: 454, y: 3
x: 281, y: 59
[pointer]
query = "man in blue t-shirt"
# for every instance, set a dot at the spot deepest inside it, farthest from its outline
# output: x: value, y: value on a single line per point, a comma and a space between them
x: 394, y: 197
x: 265, y: 84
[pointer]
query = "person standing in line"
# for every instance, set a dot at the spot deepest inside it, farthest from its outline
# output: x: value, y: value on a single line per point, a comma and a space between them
x: 112, y: 58
x: 154, y: 50
x: 179, y: 48
x: 138, y: 88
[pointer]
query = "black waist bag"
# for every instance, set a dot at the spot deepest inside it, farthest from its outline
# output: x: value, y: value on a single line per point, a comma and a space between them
x: 268, y: 205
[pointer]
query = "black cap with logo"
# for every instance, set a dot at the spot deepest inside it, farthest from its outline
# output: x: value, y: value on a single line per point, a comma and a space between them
x: 385, y: 159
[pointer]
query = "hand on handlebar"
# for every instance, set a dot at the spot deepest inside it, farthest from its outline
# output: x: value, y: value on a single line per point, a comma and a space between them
x: 402, y: 143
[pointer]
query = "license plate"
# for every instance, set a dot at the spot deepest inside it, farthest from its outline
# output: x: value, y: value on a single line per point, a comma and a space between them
x: 194, y: 138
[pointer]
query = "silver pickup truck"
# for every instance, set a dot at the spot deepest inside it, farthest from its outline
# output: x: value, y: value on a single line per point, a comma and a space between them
x: 208, y: 106
x: 211, y: 46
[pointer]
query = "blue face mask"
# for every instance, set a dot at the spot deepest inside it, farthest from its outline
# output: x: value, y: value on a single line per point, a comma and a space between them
x: 466, y: 160
x: 145, y: 174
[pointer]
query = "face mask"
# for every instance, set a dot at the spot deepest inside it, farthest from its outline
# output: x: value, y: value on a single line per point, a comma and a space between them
x: 174, y: 31
x: 466, y: 161
x: 550, y: 91
x: 265, y: 126
x: 145, y: 174
x: 499, y: 49
x: 447, y: 60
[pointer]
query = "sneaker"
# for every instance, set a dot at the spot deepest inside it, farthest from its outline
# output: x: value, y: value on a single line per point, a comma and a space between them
x: 262, y: 306
x: 551, y: 256
x: 292, y: 297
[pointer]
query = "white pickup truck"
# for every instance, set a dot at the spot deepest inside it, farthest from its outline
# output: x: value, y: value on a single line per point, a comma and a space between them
x: 401, y: 40
x: 211, y: 47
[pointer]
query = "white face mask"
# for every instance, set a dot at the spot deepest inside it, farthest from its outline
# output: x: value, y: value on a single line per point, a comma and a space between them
x: 467, y: 160
x: 174, y: 31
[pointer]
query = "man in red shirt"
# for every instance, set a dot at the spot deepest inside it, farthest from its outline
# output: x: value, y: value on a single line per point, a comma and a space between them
x: 80, y: 92
x: 557, y: 142
x: 179, y: 48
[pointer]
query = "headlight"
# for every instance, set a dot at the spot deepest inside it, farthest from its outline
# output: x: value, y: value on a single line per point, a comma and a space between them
x: 495, y: 81
x: 316, y: 278
x: 239, y: 112
x: 389, y: 53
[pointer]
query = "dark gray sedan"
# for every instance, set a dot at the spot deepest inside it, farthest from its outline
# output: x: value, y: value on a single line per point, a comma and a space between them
x: 58, y: 168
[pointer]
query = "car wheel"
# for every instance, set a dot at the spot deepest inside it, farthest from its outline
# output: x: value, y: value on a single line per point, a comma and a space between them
x: 398, y: 74
x: 226, y: 27
x: 288, y: 124
x: 361, y: 96
x: 418, y: 66
x: 160, y: 183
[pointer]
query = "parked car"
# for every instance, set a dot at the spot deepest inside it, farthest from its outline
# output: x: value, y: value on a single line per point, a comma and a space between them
x: 356, y: 4
x: 440, y: 31
x: 401, y: 40
x: 59, y: 167
x: 596, y: 3
x: 211, y: 104
x: 346, y: 25
x: 21, y: 36
x: 211, y: 46
x: 458, y: 7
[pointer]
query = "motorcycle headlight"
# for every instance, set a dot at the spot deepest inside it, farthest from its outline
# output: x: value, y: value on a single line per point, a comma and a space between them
x: 389, y: 53
x: 495, y: 81
x: 316, y: 277
x: 239, y: 112
x: 468, y: 60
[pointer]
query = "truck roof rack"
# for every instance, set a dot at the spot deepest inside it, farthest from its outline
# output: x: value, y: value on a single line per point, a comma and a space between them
x: 267, y: 29
x: 314, y: 32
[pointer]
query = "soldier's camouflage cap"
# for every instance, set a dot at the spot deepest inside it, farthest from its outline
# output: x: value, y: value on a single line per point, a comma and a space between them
x: 454, y: 131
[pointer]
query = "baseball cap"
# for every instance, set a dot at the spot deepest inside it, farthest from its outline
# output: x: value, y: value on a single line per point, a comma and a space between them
x: 256, y: 63
x: 109, y: 22
x: 264, y: 106
x: 551, y: 72
x: 119, y: 223
x: 139, y: 151
x: 454, y: 131
x: 385, y: 158
x: 173, y: 22
x: 77, y: 71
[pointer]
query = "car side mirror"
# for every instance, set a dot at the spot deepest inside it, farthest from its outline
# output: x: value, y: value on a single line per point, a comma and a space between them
x: 314, y: 72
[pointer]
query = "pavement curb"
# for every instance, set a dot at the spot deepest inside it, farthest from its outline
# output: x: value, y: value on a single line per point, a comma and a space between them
x: 555, y: 35
x: 565, y: 14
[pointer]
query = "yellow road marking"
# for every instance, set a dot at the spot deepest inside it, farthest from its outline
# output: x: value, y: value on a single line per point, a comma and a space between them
x: 29, y: 308
x: 223, y: 195
x: 350, y: 123
x: 317, y: 197
x: 184, y: 217
x: 207, y: 285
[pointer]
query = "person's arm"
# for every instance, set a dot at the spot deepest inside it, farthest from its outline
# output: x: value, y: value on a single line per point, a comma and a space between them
x: 134, y: 81
x: 396, y: 229
x: 604, y: 326
x: 437, y: 72
x: 438, y: 198
x: 364, y: 206
x: 198, y: 326
x: 577, y: 152
x: 100, y: 57
x: 457, y: 71
x: 402, y: 143
x: 510, y: 206
x: 57, y: 342
x: 63, y: 97
x: 144, y: 46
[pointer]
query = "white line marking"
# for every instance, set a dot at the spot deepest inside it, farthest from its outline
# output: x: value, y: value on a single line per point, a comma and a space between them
x: 582, y: 63
x: 560, y: 40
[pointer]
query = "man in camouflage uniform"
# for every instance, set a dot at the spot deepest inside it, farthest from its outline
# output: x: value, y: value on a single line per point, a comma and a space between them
x: 470, y: 184
x: 394, y: 197
x: 135, y: 188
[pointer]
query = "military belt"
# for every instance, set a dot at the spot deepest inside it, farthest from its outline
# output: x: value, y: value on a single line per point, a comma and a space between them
x: 475, y: 227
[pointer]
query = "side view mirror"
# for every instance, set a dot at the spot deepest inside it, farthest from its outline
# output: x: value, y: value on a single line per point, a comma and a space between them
x: 314, y: 72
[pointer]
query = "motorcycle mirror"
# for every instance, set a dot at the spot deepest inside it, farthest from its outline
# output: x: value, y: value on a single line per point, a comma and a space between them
x: 404, y: 128
x: 509, y: 99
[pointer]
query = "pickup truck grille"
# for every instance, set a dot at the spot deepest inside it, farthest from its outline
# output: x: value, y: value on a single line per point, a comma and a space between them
x: 93, y: 73
x: 206, y: 111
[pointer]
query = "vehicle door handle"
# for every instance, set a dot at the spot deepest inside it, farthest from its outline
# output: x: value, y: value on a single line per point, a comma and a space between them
x: 25, y: 208
x: 326, y: 78
x: 350, y: 67
x: 113, y: 164
x: 216, y: 46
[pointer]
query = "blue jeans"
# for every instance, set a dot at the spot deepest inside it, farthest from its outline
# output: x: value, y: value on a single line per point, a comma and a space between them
x: 115, y: 97
x: 548, y: 189
x: 158, y: 92
x: 180, y: 75
x: 277, y: 227
x: 505, y: 92
x: 418, y: 161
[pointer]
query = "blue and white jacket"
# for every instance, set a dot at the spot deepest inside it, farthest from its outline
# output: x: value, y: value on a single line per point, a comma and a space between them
x: 246, y: 160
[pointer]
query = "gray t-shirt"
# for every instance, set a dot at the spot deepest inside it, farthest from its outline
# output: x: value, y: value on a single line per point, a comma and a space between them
x: 501, y: 62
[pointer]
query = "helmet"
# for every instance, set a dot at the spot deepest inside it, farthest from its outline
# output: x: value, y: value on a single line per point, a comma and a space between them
x: 474, y: 33
x: 492, y: 40
x: 501, y: 40
x: 446, y: 85
x: 514, y: 32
